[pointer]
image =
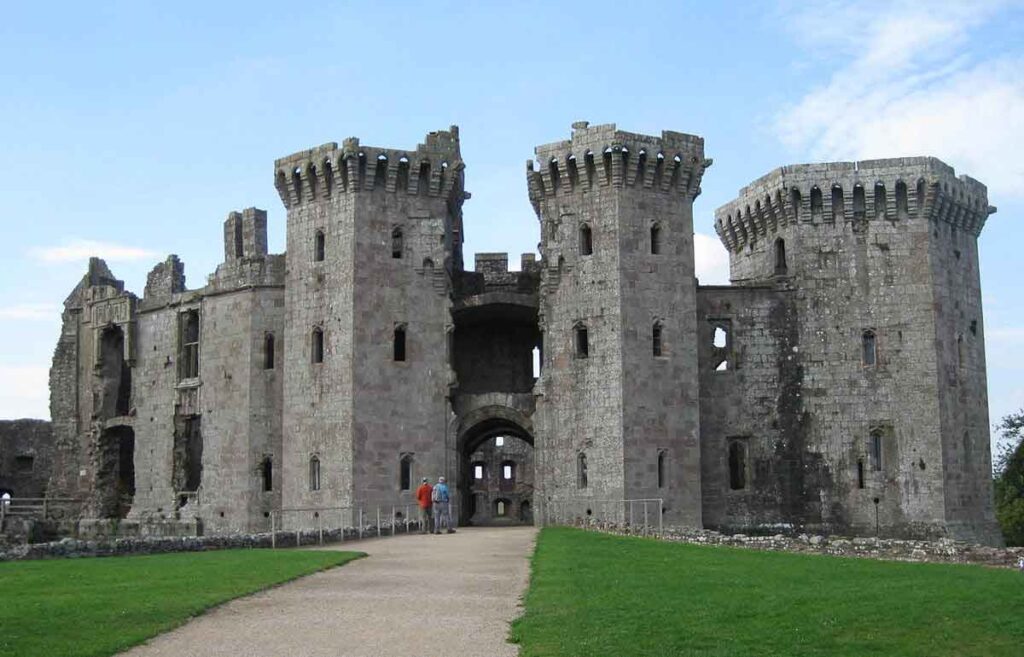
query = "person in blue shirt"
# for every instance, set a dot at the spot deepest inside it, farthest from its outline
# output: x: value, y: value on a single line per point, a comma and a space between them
x: 442, y: 507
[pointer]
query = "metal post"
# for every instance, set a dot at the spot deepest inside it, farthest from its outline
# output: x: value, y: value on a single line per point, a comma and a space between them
x: 631, y: 516
x: 661, y: 517
x: 394, y: 522
x: 378, y: 521
x: 360, y: 522
x: 320, y: 526
x: 273, y: 530
x: 646, y: 523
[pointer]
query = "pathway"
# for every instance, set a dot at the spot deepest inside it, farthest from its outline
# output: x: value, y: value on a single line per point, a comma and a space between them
x: 413, y: 596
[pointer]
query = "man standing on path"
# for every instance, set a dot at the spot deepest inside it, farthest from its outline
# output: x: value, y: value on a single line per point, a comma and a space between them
x: 424, y: 501
x: 442, y: 514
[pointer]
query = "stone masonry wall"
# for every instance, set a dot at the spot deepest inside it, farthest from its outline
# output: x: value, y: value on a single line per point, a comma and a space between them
x: 26, y: 457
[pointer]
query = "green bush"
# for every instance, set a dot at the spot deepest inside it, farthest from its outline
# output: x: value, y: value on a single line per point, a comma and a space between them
x: 1009, y: 482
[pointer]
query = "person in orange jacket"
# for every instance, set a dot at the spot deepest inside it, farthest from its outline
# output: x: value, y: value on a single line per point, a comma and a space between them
x: 423, y: 498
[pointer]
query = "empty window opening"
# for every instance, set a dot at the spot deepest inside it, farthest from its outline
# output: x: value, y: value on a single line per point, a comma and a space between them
x: 239, y: 244
x: 314, y: 473
x: 860, y: 473
x: 189, y: 340
x: 588, y: 164
x: 581, y: 470
x: 317, y: 345
x: 586, y: 240
x: 902, y: 205
x: 268, y: 352
x: 399, y: 344
x: 500, y: 508
x: 656, y: 340
x: 405, y: 472
x: 795, y: 200
x: 737, y: 464
x: 574, y: 174
x: 499, y: 441
x: 535, y: 357
x: 721, y: 345
x: 662, y: 467
x: 402, y: 180
x: 607, y: 161
x: 880, y: 201
x: 319, y: 246
x: 524, y: 511
x: 780, y: 257
x: 328, y: 172
x: 267, y: 474
x: 720, y: 338
x: 553, y: 174
x: 478, y: 471
x: 859, y: 210
x: 960, y: 351
x: 508, y: 470
x: 115, y: 374
x: 188, y: 453
x: 920, y: 196
x: 869, y: 348
x: 582, y: 341
x: 817, y: 204
x: 837, y: 203
x: 655, y: 239
x: 396, y: 242
x: 875, y: 449
x: 24, y: 464
x: 423, y: 180
x: 974, y: 327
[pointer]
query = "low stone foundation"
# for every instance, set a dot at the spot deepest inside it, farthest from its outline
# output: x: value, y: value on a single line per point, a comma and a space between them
x: 891, y: 549
x: 72, y: 548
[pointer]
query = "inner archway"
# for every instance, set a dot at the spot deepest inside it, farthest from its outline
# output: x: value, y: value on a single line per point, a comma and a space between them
x: 496, y: 469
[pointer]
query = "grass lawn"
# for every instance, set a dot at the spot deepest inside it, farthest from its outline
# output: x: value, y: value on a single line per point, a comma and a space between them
x: 100, y: 606
x: 599, y: 595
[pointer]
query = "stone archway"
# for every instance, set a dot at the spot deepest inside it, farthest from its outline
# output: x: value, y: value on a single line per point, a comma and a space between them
x: 496, y: 463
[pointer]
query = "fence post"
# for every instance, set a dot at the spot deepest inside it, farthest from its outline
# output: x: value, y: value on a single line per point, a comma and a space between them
x: 661, y: 518
x: 394, y: 523
x: 320, y: 526
x: 378, y: 521
x: 646, y: 523
x: 360, y: 522
x: 273, y: 530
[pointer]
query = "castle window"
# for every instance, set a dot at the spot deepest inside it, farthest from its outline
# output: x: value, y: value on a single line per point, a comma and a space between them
x: 188, y: 357
x: 536, y: 362
x: 24, y: 464
x: 655, y: 239
x: 875, y: 449
x: 860, y: 473
x: 869, y: 349
x: 319, y: 247
x: 780, y: 257
x: 239, y: 244
x: 267, y: 474
x: 838, y: 211
x: 721, y: 345
x: 859, y: 210
x: 582, y: 341
x: 317, y: 345
x: 586, y: 240
x: 737, y: 464
x: 581, y: 470
x: 656, y: 340
x: 405, y: 472
x: 902, y: 204
x: 396, y: 242
x: 662, y: 468
x: 795, y: 200
x: 268, y: 352
x: 920, y: 196
x: 817, y: 204
x: 880, y: 209
x: 478, y: 471
x: 314, y: 473
x: 554, y: 175
x: 499, y: 441
x: 399, y: 344
x: 574, y: 173
x: 508, y: 472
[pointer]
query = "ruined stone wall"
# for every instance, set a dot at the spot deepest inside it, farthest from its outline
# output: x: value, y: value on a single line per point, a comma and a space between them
x: 857, y: 261
x: 612, y: 406
x: 515, y: 492
x: 26, y: 457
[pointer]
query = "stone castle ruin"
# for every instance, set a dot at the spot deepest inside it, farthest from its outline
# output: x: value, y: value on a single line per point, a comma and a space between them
x: 838, y: 385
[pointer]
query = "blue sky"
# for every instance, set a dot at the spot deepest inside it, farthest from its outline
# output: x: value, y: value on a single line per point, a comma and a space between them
x: 130, y: 129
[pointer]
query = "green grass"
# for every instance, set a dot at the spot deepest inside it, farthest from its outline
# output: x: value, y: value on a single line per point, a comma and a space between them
x: 599, y: 595
x: 98, y: 607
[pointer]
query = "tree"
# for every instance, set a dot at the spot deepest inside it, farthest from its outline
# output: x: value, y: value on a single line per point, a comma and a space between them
x: 1009, y: 482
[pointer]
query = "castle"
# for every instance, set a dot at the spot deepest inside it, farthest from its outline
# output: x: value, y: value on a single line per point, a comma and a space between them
x: 837, y: 385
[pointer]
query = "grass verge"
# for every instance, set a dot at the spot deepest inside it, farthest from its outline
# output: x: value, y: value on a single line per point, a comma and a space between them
x: 100, y: 606
x: 598, y: 595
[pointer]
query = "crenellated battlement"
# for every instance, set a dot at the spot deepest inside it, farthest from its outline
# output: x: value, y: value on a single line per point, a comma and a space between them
x: 897, y: 189
x: 434, y: 169
x: 602, y: 156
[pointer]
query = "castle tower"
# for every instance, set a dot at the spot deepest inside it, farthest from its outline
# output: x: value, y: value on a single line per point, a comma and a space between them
x: 617, y: 411
x: 373, y: 237
x: 888, y: 404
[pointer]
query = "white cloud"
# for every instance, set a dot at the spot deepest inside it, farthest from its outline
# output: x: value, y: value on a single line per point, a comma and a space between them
x: 711, y: 260
x: 29, y: 311
x: 78, y: 250
x: 24, y: 392
x: 908, y: 86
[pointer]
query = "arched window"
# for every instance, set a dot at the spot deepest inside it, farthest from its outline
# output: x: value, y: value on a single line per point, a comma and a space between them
x: 657, y: 347
x: 737, y: 464
x: 817, y: 204
x: 405, y: 472
x: 655, y: 239
x: 875, y: 449
x: 267, y: 473
x: 268, y: 352
x: 795, y: 200
x: 880, y: 201
x: 902, y: 203
x: 508, y: 471
x: 396, y: 242
x: 319, y: 246
x: 780, y: 257
x: 860, y: 473
x: 314, y: 473
x: 581, y: 470
x: 317, y: 345
x: 479, y: 470
x: 239, y: 243
x: 859, y: 210
x: 399, y: 344
x: 586, y: 240
x: 838, y: 211
x: 868, y: 348
x: 581, y: 340
x: 662, y: 468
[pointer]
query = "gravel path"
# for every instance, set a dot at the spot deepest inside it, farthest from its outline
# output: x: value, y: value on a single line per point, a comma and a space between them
x: 414, y: 596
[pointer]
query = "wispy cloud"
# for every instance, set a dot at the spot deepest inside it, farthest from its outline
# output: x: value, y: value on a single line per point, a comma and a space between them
x: 909, y: 84
x: 711, y: 260
x: 78, y: 250
x: 24, y: 392
x: 29, y: 311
